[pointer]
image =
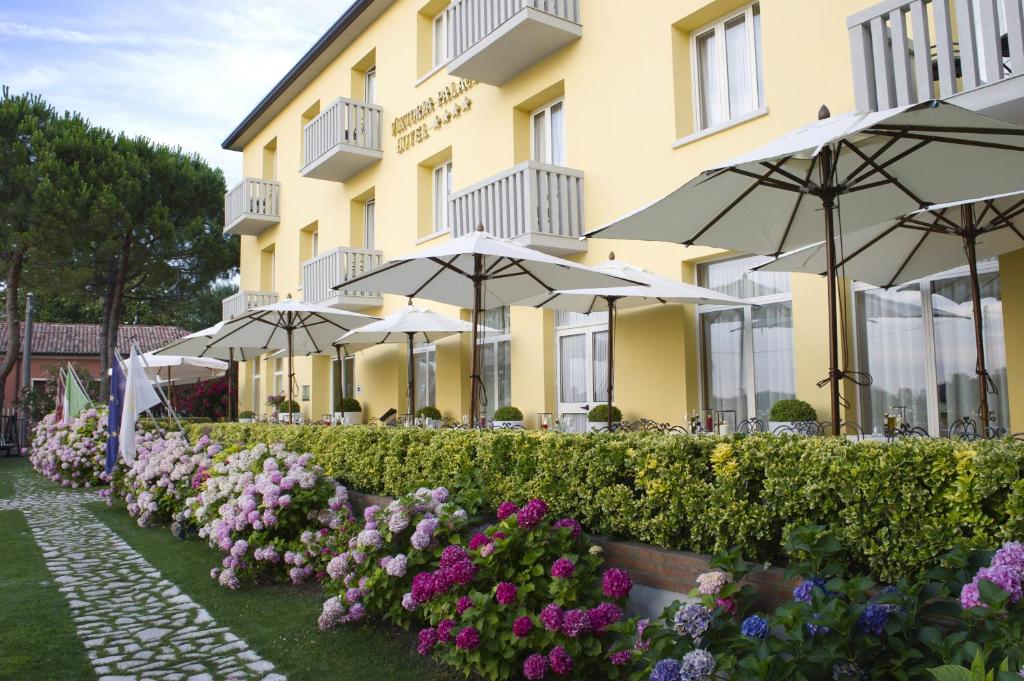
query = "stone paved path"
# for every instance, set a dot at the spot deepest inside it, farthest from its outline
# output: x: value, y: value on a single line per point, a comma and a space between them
x: 135, y: 624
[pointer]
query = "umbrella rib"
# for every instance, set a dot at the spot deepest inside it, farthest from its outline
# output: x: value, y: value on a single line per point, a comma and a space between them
x: 874, y: 157
x: 878, y: 237
x: 444, y: 265
x: 796, y: 208
x: 906, y: 260
x: 959, y: 129
x: 767, y: 180
x: 885, y: 173
x: 375, y: 271
x: 888, y: 162
x: 1007, y: 220
x: 955, y: 140
x: 547, y: 300
x: 531, y: 275
x: 744, y: 194
x: 800, y: 183
x: 250, y: 320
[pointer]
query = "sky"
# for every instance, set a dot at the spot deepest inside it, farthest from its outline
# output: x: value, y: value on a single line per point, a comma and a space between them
x: 181, y: 72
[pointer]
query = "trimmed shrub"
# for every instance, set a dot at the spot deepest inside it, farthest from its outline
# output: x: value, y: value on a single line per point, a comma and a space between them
x: 599, y: 414
x: 792, y: 410
x: 350, y: 404
x: 895, y: 507
x: 289, y: 406
x: 246, y: 414
x: 508, y: 414
x: 429, y: 412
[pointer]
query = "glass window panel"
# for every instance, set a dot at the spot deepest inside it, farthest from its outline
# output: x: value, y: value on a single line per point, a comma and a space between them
x: 890, y: 336
x: 440, y: 40
x: 540, y: 136
x: 440, y: 199
x: 503, y: 389
x: 955, y: 352
x: 572, y: 379
x: 573, y: 422
x: 369, y: 222
x: 557, y: 135
x: 497, y: 319
x: 348, y: 380
x: 772, y: 340
x: 724, y: 371
x: 737, y: 65
x: 758, y: 55
x: 371, y: 86
x: 707, y: 80
x: 565, y: 319
x: 735, y: 278
x: 487, y: 372
x: 600, y: 366
x: 424, y: 367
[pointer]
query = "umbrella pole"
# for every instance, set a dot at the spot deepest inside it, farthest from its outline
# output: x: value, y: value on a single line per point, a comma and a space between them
x: 970, y: 240
x: 474, y: 378
x: 291, y: 417
x: 828, y: 203
x: 231, y: 384
x: 170, y: 389
x: 341, y: 382
x: 411, y: 390
x: 611, y: 356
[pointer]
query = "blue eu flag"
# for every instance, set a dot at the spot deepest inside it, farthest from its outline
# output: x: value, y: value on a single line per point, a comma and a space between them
x: 117, y: 386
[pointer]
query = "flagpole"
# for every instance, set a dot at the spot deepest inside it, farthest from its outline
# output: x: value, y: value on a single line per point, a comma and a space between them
x: 160, y: 392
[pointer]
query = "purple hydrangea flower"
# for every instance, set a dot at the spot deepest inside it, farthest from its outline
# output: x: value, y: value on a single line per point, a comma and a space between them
x: 428, y: 639
x: 452, y: 554
x: 562, y: 568
x: 551, y: 617
x: 570, y: 523
x: 803, y: 592
x: 532, y: 513
x: 561, y: 661
x: 522, y: 626
x: 692, y: 620
x: 620, y: 658
x: 462, y: 605
x: 505, y: 509
x: 444, y: 630
x: 666, y: 670
x: 467, y: 639
x: 755, y: 627
x: 505, y: 593
x: 535, y: 667
x: 697, y: 665
x: 873, y: 619
x: 575, y: 622
x: 604, y: 615
x: 616, y: 583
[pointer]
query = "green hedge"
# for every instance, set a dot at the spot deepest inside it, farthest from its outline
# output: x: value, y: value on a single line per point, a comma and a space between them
x: 896, y: 507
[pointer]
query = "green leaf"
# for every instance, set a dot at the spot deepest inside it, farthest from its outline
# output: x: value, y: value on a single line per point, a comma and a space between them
x: 951, y: 673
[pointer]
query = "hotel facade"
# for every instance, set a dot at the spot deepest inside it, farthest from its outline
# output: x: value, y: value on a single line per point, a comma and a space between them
x: 410, y: 122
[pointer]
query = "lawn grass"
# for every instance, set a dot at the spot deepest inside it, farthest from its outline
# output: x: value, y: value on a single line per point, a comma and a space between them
x: 37, y: 635
x: 11, y: 466
x: 278, y: 621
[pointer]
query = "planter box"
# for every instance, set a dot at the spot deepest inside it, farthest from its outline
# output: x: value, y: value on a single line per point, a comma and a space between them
x: 296, y: 417
x: 352, y: 418
x: 246, y: 420
x: 507, y: 424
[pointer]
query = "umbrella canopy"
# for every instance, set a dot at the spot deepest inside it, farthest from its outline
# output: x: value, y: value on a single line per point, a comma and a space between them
x: 655, y: 290
x: 294, y: 325
x: 501, y: 273
x: 180, y: 370
x: 409, y: 325
x: 924, y: 242
x: 872, y: 166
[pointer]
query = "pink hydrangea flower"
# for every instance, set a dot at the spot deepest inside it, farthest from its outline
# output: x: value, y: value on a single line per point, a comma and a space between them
x: 467, y: 639
x: 551, y: 617
x: 561, y: 661
x: 505, y: 593
x: 522, y: 626
x: 462, y: 605
x: 616, y: 583
x: 535, y: 667
x: 505, y: 509
x: 563, y: 568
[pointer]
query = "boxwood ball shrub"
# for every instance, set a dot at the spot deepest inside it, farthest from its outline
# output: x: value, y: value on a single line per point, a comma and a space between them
x: 599, y: 414
x: 792, y: 410
x: 246, y: 414
x: 895, y: 507
x: 71, y: 455
x: 428, y: 412
x: 350, y: 404
x: 508, y: 413
x: 289, y: 406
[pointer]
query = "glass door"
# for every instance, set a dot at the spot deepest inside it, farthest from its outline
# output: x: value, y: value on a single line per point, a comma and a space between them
x: 582, y: 343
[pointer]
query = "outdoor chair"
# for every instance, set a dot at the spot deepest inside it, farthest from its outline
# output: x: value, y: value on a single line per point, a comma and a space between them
x: 9, y: 435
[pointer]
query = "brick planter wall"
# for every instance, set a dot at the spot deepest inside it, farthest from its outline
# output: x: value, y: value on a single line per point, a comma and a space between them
x: 655, y: 567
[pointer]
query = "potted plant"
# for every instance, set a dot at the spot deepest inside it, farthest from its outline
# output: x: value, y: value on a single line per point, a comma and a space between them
x: 289, y: 411
x: 508, y: 417
x: 246, y: 416
x: 597, y: 418
x: 785, y: 414
x: 431, y: 414
x: 351, y: 412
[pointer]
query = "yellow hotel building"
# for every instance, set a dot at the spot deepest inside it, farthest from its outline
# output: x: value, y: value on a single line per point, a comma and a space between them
x: 553, y: 117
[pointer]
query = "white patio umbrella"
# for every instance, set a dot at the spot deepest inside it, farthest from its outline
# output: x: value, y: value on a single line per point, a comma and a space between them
x: 924, y: 242
x: 654, y: 290
x: 293, y: 325
x: 197, y: 345
x: 409, y: 325
x: 867, y: 167
x: 499, y: 271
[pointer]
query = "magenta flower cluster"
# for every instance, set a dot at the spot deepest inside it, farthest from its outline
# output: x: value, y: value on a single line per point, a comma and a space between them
x: 1006, y: 571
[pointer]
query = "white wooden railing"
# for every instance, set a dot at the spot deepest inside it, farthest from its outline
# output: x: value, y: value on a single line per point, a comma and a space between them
x: 243, y: 301
x: 907, y: 51
x: 345, y: 121
x: 321, y: 274
x: 530, y: 197
x: 470, y: 21
x: 253, y: 197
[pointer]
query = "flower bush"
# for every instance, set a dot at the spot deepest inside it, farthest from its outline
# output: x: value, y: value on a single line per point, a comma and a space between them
x: 167, y: 470
x: 71, y: 455
x: 270, y: 511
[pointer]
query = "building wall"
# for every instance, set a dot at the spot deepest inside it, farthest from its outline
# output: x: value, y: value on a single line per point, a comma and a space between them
x: 628, y: 98
x: 45, y: 367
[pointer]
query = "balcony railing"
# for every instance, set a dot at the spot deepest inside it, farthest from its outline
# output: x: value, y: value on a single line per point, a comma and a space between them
x: 493, y: 40
x: 252, y: 206
x: 321, y: 274
x: 535, y: 204
x: 243, y: 301
x: 908, y: 51
x: 343, y: 140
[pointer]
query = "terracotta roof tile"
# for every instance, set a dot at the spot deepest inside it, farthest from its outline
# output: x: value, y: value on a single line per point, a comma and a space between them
x: 50, y: 338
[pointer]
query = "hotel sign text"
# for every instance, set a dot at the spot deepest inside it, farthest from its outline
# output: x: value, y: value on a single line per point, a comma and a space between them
x: 434, y: 113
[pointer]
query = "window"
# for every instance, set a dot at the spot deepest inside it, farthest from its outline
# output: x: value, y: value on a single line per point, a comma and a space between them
x: 442, y: 190
x: 279, y: 377
x: 348, y: 380
x: 728, y: 68
x: 314, y: 243
x: 746, y: 352
x: 440, y: 40
x: 582, y: 344
x: 424, y: 363
x: 370, y: 86
x: 917, y: 342
x: 496, y: 354
x: 369, y: 209
x: 256, y: 405
x: 548, y: 134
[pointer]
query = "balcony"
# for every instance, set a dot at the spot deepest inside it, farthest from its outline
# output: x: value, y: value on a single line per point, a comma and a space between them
x: 243, y: 301
x: 534, y: 204
x: 321, y: 274
x: 252, y: 206
x: 342, y: 141
x: 492, y: 41
x: 908, y: 51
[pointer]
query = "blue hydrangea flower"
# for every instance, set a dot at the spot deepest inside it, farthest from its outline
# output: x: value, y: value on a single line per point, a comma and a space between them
x: 755, y: 627
x: 804, y: 590
x: 666, y: 670
x: 842, y: 671
x: 873, y: 619
x: 813, y: 629
x: 698, y: 665
x: 692, y: 620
